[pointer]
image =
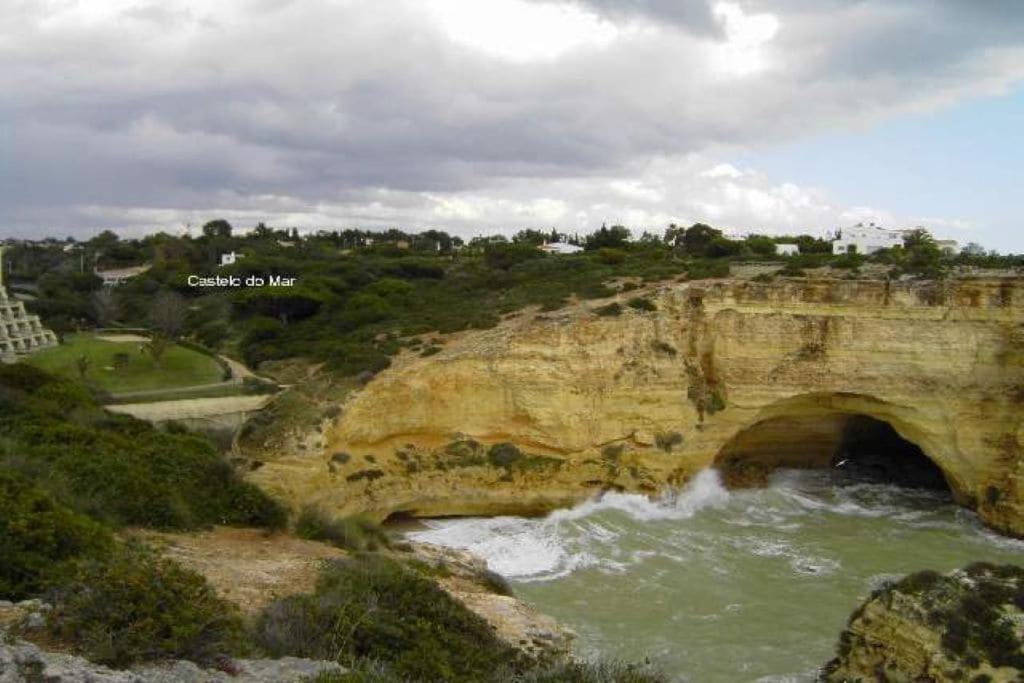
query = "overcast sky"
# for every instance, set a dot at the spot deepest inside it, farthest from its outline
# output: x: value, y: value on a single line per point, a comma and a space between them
x: 483, y: 115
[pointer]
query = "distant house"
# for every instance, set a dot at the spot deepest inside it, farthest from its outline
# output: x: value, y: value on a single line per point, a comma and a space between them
x: 866, y: 239
x: 787, y: 249
x: 560, y: 248
x: 948, y: 246
x: 116, y: 276
x: 230, y: 258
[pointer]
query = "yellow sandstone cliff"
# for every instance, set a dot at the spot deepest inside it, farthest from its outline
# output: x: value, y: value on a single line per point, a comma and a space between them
x: 547, y: 409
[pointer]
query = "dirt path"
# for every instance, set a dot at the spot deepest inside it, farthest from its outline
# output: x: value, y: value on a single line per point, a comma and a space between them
x: 123, y: 338
x: 239, y: 371
x: 191, y: 408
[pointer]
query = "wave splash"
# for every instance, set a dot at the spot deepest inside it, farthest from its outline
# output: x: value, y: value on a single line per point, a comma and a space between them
x: 616, y: 531
x: 565, y: 541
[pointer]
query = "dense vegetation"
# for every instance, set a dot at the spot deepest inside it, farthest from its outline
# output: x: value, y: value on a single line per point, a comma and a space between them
x: 132, y: 605
x: 70, y: 475
x: 359, y: 297
x: 372, y: 607
x: 115, y: 468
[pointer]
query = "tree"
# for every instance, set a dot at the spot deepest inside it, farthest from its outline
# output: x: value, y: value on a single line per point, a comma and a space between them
x: 534, y: 237
x: 614, y: 237
x: 698, y: 237
x: 82, y: 364
x: 156, y: 347
x: 721, y: 247
x: 809, y: 244
x: 167, y: 314
x: 761, y: 245
x: 674, y: 235
x: 503, y: 256
x: 104, y: 306
x: 924, y: 256
x: 217, y: 228
x: 918, y: 237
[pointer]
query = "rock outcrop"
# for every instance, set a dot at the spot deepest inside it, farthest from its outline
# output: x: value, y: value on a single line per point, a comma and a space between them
x: 550, y: 408
x: 967, y: 626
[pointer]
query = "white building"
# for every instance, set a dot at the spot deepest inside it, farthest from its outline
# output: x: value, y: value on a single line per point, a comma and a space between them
x: 560, y: 248
x: 866, y: 239
x: 230, y: 258
x: 787, y: 249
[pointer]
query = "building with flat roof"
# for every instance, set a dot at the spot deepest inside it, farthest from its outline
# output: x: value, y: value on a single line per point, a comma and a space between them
x: 866, y: 239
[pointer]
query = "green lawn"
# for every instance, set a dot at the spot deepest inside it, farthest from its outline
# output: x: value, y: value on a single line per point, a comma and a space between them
x: 179, y: 367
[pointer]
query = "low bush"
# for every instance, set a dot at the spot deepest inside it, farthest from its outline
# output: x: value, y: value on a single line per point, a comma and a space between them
x: 503, y: 455
x: 666, y: 441
x: 133, y: 606
x: 639, y: 303
x: 601, y: 671
x: 706, y: 269
x: 351, y: 533
x: 38, y: 535
x: 609, y: 310
x: 117, y: 469
x: 371, y: 607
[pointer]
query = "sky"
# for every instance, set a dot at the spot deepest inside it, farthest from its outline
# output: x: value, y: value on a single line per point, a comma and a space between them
x: 480, y: 116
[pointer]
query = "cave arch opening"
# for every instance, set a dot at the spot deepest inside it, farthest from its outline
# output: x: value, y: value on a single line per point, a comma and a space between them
x: 834, y: 433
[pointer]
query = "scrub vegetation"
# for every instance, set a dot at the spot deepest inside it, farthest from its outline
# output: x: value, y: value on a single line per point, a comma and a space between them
x: 360, y: 297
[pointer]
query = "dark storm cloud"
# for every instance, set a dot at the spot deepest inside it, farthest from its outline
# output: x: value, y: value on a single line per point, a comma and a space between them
x: 183, y: 104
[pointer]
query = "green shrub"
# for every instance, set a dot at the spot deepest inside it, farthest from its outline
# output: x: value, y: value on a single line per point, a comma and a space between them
x: 371, y: 607
x: 601, y: 671
x: 666, y: 441
x: 504, y: 455
x: 639, y: 303
x: 708, y: 268
x: 133, y: 606
x: 37, y: 535
x: 117, y: 469
x: 664, y: 347
x: 610, y: 256
x: 612, y: 309
x: 351, y: 533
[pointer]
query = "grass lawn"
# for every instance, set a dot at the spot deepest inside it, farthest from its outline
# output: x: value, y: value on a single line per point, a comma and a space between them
x: 179, y: 367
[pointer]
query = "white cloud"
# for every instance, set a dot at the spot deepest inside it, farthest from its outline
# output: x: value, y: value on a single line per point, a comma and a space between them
x: 522, y: 31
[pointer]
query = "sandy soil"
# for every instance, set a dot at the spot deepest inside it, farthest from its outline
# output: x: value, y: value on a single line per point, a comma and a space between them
x: 247, y: 566
x: 191, y: 408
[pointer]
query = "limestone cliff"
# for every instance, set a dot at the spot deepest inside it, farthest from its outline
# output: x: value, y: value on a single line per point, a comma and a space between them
x: 547, y: 409
x: 963, y: 627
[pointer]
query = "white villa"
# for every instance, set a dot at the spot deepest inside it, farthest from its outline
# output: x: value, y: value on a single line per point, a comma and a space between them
x: 787, y: 249
x: 230, y: 258
x: 866, y: 239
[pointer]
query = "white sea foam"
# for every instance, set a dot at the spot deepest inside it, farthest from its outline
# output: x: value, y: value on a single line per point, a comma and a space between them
x: 532, y: 549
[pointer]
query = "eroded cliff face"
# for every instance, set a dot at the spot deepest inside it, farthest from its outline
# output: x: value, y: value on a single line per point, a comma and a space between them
x: 548, y: 409
x: 965, y: 626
